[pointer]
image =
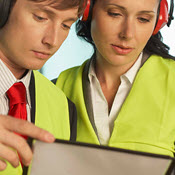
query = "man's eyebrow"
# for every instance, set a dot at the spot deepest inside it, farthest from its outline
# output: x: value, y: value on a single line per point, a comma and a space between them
x: 45, y: 9
x: 71, y: 19
x: 52, y: 13
x: 124, y: 9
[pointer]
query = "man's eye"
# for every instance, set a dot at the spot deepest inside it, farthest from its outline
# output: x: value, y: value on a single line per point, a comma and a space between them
x: 66, y: 26
x: 39, y: 18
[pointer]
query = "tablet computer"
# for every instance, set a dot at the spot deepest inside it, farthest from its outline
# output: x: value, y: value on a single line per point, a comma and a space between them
x: 67, y: 158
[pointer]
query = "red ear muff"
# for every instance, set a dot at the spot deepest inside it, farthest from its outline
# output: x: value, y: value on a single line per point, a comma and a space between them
x: 163, y: 16
x: 87, y: 10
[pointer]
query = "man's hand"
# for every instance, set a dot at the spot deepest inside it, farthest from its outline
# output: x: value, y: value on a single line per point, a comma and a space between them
x: 8, y: 140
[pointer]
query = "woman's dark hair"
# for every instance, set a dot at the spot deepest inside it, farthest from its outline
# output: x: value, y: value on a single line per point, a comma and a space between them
x: 155, y: 44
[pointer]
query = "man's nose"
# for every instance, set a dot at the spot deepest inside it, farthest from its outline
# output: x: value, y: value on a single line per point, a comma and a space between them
x: 51, y: 36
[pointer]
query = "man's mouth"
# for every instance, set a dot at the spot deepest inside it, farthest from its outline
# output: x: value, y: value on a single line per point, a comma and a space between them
x: 41, y: 54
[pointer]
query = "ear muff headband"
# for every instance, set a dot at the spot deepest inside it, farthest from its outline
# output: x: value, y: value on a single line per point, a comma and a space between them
x: 163, y: 19
x: 4, y: 11
x: 86, y: 11
x: 163, y: 16
x: 171, y: 17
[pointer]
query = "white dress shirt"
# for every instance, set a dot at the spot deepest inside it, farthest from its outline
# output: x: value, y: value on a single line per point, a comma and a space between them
x: 104, y: 121
x: 7, y: 79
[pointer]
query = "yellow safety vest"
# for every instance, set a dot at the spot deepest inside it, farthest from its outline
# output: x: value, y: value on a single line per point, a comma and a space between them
x: 51, y: 113
x: 146, y: 121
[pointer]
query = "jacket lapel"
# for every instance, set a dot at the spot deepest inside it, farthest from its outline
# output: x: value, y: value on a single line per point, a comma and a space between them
x: 32, y: 97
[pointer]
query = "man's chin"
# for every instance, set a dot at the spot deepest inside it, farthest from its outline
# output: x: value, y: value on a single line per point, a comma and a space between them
x: 36, y: 66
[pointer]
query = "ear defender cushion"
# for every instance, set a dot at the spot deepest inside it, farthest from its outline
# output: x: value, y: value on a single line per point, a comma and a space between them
x: 87, y: 10
x: 163, y: 16
x: 4, y: 11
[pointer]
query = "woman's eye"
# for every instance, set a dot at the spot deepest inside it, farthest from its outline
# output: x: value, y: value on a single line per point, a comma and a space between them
x: 114, y: 14
x: 39, y: 18
x: 144, y: 20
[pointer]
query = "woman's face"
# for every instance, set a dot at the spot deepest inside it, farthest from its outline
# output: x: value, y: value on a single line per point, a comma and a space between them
x: 121, y: 28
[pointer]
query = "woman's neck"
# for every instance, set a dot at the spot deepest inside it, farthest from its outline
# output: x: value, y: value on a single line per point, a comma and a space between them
x: 109, y: 77
x: 108, y: 73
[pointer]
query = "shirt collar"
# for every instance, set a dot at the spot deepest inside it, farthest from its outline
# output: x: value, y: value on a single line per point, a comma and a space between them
x: 130, y: 74
x: 7, y: 79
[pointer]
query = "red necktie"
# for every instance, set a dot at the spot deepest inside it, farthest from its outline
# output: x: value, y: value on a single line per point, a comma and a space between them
x: 17, y: 102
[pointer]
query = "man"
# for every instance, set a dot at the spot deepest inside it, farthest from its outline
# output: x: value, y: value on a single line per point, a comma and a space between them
x: 31, y: 31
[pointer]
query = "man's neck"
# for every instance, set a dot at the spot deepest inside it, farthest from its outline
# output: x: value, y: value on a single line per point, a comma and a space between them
x: 16, y: 71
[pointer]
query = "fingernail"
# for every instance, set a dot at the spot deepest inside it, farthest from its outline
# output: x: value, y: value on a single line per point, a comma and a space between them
x: 50, y: 137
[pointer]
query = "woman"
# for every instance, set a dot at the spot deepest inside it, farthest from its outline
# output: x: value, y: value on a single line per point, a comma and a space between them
x: 125, y: 93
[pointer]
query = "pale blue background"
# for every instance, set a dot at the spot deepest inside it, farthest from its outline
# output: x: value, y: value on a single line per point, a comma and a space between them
x: 74, y: 51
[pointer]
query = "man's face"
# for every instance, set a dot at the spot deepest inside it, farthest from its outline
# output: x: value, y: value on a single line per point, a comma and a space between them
x: 33, y: 33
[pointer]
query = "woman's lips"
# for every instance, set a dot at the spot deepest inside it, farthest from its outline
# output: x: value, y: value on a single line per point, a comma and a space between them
x: 122, y: 50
